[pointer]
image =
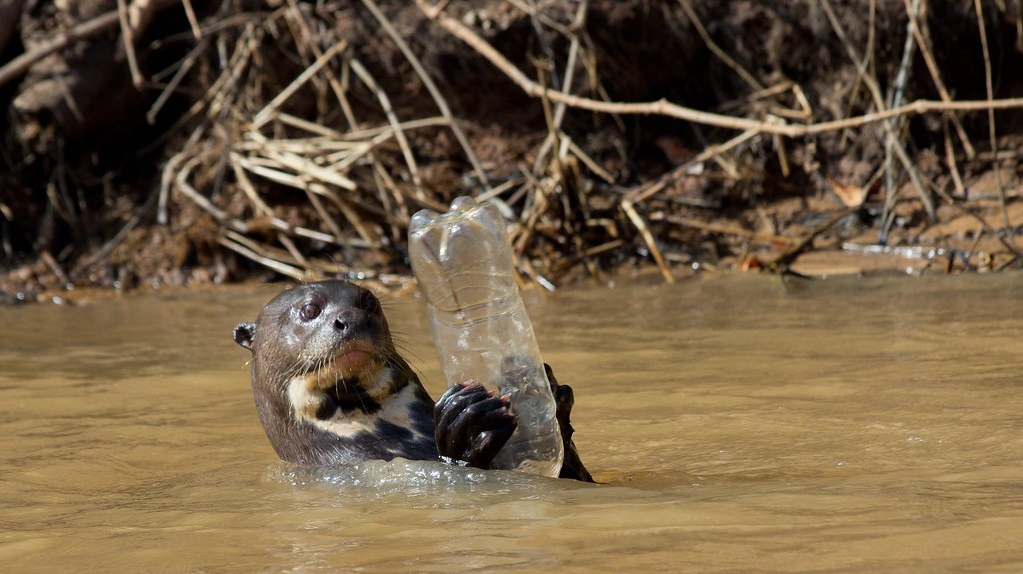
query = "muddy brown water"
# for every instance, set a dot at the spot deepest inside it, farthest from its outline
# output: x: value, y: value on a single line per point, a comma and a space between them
x: 739, y: 425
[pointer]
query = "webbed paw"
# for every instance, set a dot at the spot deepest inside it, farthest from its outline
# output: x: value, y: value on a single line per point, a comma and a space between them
x: 472, y: 424
x: 564, y: 398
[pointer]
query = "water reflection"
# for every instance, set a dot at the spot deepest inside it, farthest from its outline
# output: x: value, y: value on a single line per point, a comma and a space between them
x: 739, y: 424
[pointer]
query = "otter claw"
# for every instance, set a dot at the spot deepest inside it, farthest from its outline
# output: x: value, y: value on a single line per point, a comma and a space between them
x: 472, y: 424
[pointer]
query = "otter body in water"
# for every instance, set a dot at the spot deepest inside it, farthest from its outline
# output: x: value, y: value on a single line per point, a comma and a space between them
x: 330, y: 387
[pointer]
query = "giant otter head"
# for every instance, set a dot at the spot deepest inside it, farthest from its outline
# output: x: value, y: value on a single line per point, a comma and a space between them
x: 324, y: 368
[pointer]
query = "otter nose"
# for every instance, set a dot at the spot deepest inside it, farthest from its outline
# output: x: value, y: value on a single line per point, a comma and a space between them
x: 349, y: 322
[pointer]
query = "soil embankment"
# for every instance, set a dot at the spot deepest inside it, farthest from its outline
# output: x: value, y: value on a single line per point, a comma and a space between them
x: 178, y: 142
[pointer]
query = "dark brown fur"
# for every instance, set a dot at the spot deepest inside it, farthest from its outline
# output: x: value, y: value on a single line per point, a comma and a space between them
x: 330, y: 387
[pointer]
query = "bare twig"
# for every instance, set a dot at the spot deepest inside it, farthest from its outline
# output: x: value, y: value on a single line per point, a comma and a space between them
x: 258, y: 205
x: 19, y: 65
x: 781, y: 262
x: 630, y: 210
x: 172, y: 85
x: 225, y: 83
x: 199, y: 199
x: 950, y: 160
x: 892, y: 127
x: 767, y: 238
x: 716, y: 50
x: 55, y: 267
x: 243, y: 246
x: 109, y: 246
x: 891, y: 140
x: 665, y: 108
x: 399, y: 135
x: 559, y: 112
x: 924, y: 40
x: 992, y: 131
x: 192, y: 20
x: 431, y: 87
x: 128, y: 35
x: 644, y: 192
x: 264, y: 114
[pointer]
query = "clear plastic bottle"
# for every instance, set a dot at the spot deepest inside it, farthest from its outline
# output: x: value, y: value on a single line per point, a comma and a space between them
x: 463, y: 262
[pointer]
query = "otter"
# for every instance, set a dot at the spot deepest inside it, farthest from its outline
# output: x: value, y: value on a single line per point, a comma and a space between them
x: 330, y: 387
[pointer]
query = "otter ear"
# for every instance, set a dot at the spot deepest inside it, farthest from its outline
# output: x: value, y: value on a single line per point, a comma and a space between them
x: 243, y: 334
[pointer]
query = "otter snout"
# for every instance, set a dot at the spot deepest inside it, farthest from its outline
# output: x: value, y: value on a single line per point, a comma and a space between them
x: 349, y: 323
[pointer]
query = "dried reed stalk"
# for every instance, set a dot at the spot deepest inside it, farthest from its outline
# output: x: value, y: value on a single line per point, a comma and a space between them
x: 361, y: 181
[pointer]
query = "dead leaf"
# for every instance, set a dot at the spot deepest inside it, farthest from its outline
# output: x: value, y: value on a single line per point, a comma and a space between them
x: 751, y: 264
x: 850, y: 195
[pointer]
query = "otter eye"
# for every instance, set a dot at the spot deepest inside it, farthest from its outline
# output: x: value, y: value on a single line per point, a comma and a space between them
x: 309, y: 311
x: 369, y: 302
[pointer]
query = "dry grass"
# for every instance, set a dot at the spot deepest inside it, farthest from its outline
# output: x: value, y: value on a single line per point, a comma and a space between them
x: 249, y: 161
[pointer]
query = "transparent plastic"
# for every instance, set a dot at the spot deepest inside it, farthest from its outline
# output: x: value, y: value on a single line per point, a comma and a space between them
x: 463, y: 262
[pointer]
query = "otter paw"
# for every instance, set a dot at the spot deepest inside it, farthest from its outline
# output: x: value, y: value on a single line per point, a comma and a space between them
x: 472, y: 424
x: 571, y: 466
x: 564, y: 399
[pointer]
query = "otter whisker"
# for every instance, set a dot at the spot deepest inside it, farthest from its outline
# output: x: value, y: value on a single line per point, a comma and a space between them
x: 322, y: 400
